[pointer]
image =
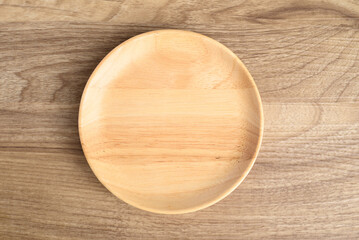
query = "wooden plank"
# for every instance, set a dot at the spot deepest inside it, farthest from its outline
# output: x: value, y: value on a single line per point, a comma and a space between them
x: 293, y: 64
x: 303, y: 56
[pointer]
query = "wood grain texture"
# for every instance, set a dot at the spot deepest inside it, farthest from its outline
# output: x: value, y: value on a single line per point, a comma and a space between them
x: 171, y: 121
x: 303, y: 56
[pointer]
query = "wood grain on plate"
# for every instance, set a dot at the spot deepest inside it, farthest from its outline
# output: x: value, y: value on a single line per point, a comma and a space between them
x: 171, y: 121
x: 303, y: 56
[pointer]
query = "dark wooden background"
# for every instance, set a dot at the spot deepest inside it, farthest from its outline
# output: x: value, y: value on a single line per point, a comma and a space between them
x: 303, y: 56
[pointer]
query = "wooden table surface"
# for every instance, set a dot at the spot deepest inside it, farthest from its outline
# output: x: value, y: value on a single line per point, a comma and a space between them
x: 303, y: 56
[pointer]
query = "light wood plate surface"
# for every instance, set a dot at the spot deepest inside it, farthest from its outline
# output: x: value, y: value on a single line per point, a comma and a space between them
x: 171, y: 121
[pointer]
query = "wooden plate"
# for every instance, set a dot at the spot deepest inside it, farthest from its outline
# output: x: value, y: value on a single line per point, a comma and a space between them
x: 171, y: 121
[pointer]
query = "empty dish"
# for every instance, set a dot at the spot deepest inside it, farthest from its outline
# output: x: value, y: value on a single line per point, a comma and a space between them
x: 171, y: 121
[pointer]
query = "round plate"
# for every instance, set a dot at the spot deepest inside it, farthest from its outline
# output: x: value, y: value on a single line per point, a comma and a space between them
x: 171, y: 121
